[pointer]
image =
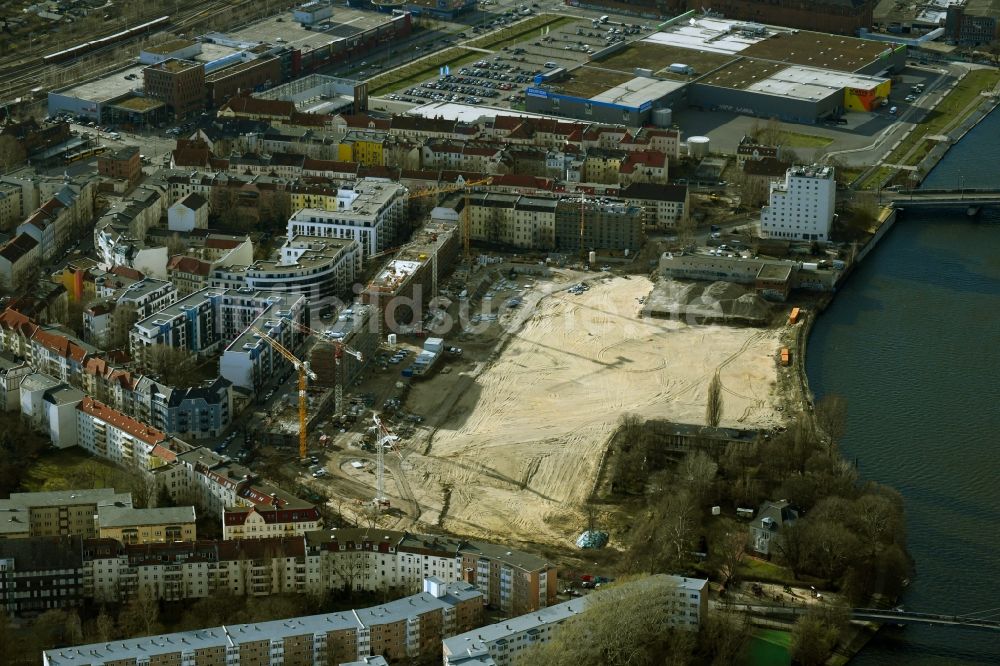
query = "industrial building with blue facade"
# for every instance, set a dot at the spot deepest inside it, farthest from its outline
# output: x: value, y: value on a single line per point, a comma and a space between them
x: 715, y: 64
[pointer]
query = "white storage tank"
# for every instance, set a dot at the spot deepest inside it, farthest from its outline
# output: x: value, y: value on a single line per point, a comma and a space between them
x: 592, y: 257
x: 698, y: 146
x: 663, y: 117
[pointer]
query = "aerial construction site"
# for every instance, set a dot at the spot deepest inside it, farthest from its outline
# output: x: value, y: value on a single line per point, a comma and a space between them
x: 506, y: 436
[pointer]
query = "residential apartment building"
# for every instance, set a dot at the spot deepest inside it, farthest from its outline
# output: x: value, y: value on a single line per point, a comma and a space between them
x: 122, y: 164
x: 607, y: 225
x: 802, y: 206
x: 314, y: 267
x: 123, y: 440
x: 40, y: 573
x: 49, y: 406
x: 663, y: 206
x: 512, y: 219
x: 59, y: 513
x: 372, y: 213
x: 405, y: 630
x: 267, y: 517
x: 12, y: 371
x: 10, y: 206
x: 52, y: 225
x: 20, y: 259
x: 180, y: 84
x: 208, y: 320
x: 504, y: 643
x: 138, y: 526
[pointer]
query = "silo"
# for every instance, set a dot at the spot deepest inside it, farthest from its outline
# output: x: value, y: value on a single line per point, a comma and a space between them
x: 698, y: 146
x: 663, y: 117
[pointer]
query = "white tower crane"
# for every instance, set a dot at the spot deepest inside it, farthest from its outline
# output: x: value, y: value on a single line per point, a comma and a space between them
x: 383, y: 438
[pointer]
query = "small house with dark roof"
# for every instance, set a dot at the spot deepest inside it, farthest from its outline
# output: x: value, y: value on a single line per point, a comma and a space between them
x: 766, y: 527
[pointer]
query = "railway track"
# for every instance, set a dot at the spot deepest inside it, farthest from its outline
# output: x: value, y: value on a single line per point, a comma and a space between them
x: 19, y: 77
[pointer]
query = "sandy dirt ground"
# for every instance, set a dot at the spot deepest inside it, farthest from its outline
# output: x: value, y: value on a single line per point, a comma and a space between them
x: 519, y: 437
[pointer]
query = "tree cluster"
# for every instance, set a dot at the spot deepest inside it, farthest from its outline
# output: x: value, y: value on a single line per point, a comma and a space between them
x: 632, y: 624
x: 850, y: 535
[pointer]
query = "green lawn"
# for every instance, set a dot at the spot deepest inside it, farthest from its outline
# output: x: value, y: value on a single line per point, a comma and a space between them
x: 69, y: 469
x: 798, y: 140
x: 518, y: 31
x: 770, y: 647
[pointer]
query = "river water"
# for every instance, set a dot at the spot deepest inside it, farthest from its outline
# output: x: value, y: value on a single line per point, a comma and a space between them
x: 913, y: 341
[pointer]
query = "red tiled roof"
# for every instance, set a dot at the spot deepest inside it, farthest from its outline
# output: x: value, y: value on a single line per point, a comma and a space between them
x: 190, y: 265
x: 127, y: 424
x: 126, y: 272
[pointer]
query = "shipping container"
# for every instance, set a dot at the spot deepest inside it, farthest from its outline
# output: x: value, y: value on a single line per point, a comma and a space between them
x: 785, y: 356
x: 794, y: 316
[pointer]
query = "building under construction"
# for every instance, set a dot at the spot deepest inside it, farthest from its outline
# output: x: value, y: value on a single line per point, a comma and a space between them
x: 403, y: 290
x: 354, y: 330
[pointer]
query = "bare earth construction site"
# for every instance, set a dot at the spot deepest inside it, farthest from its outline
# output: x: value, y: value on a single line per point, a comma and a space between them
x: 517, y: 438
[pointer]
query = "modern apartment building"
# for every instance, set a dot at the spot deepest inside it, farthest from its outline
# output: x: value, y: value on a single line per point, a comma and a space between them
x: 314, y: 267
x: 371, y: 212
x: 208, y: 320
x: 801, y: 206
x: 663, y: 206
x: 406, y: 630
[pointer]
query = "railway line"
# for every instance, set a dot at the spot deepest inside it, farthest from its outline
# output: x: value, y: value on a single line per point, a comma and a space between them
x: 40, y: 69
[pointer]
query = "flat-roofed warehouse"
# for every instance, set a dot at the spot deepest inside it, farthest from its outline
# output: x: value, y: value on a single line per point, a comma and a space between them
x: 723, y: 65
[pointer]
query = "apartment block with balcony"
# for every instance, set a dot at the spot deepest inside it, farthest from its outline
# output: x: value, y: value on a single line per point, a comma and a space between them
x: 112, y: 435
x: 408, y: 629
x: 371, y: 212
x: 40, y: 573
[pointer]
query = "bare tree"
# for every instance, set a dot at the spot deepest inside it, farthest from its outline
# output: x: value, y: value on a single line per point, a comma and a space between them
x: 697, y: 471
x: 713, y: 405
x: 831, y: 416
x: 730, y: 551
x: 122, y: 320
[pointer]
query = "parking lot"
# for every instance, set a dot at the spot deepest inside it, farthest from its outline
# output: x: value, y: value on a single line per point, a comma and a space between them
x: 501, y: 76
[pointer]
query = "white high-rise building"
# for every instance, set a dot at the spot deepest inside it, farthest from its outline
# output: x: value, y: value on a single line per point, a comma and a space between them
x: 802, y: 206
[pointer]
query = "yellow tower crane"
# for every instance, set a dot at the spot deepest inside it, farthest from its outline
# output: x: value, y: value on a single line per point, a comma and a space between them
x: 305, y: 374
x: 466, y: 220
x: 339, y: 349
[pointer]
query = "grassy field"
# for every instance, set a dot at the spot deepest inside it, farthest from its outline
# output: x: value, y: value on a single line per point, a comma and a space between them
x: 770, y: 647
x: 949, y: 112
x: 69, y: 469
x: 797, y: 140
x: 518, y: 31
x: 417, y: 72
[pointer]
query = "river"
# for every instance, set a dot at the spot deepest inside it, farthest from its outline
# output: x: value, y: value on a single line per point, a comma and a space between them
x: 913, y: 340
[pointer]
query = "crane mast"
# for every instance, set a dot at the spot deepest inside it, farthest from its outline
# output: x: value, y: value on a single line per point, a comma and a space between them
x: 382, y: 438
x: 305, y: 374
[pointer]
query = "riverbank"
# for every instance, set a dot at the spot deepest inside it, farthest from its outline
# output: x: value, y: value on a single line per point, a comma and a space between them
x: 858, y: 634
